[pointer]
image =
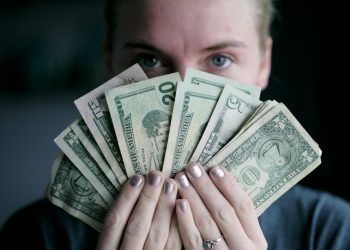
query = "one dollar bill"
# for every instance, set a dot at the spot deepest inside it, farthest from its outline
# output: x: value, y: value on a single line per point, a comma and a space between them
x: 71, y: 146
x: 270, y: 157
x: 71, y: 191
x: 85, y: 137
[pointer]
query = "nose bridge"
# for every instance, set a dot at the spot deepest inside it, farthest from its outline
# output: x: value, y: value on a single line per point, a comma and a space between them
x: 182, y: 65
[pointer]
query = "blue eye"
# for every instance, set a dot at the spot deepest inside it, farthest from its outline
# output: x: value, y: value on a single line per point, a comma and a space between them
x: 220, y: 61
x: 148, y: 61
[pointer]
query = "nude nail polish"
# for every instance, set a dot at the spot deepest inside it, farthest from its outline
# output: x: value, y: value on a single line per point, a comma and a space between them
x: 217, y: 172
x: 195, y: 170
x: 154, y: 179
x: 168, y: 187
x: 136, y: 181
x: 183, y: 206
x: 183, y: 181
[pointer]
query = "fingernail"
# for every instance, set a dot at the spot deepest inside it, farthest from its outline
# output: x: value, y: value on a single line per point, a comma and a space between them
x: 168, y: 187
x: 154, y: 179
x: 183, y: 205
x: 136, y: 181
x: 217, y: 172
x: 183, y: 181
x: 195, y: 170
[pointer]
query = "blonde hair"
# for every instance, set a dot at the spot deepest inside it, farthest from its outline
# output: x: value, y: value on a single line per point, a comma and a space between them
x: 265, y: 12
x: 264, y: 15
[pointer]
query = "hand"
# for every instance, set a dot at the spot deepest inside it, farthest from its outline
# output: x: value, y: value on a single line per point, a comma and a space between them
x: 141, y: 215
x: 215, y: 205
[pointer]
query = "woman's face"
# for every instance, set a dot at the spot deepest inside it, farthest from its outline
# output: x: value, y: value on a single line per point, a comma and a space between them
x: 166, y: 36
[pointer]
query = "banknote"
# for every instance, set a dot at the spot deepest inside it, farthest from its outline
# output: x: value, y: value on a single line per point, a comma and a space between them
x: 71, y: 191
x: 197, y: 77
x: 94, y: 110
x: 163, y: 123
x: 71, y: 146
x: 141, y: 115
x: 270, y: 157
x: 192, y: 109
x: 262, y: 110
x: 231, y: 111
x: 84, y: 135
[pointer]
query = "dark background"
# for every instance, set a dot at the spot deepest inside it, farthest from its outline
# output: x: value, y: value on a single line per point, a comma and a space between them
x: 51, y: 54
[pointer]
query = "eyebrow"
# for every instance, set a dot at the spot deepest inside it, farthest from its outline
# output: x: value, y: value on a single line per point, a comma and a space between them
x: 140, y: 44
x: 222, y: 45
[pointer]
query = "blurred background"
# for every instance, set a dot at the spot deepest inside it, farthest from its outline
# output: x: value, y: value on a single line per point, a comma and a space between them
x: 51, y: 54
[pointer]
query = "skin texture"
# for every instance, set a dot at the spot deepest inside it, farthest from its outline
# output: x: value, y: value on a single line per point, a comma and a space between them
x: 166, y: 36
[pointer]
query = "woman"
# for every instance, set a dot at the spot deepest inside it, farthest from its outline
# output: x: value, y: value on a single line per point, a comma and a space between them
x: 227, y: 38
x: 224, y: 37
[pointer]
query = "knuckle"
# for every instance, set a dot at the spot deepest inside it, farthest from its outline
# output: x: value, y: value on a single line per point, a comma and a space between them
x: 135, y: 228
x: 172, y: 244
x: 148, y: 197
x: 229, y: 184
x: 224, y: 215
x: 157, y: 236
x: 113, y: 221
x: 250, y: 246
x: 205, y: 224
x: 205, y: 185
x: 245, y: 207
x: 127, y: 195
x: 261, y: 245
x: 194, y: 242
x: 264, y: 244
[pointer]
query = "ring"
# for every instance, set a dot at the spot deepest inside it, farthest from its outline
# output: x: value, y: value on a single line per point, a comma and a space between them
x: 209, y: 244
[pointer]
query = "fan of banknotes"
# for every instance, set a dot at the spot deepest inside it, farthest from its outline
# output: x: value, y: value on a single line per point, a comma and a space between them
x: 132, y: 125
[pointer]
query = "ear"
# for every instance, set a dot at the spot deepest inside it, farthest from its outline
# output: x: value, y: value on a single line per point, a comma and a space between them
x: 108, y: 59
x: 265, y: 65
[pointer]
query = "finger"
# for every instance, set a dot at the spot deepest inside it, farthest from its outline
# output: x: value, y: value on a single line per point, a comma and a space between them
x: 159, y: 231
x: 240, y: 201
x: 119, y: 214
x: 174, y: 240
x: 203, y: 220
x: 140, y: 220
x: 220, y: 209
x: 190, y: 235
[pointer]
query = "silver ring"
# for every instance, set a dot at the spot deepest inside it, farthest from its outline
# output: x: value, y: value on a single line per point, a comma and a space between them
x: 209, y: 244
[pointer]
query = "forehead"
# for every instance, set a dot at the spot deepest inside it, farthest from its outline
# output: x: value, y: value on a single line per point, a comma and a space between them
x: 185, y: 19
